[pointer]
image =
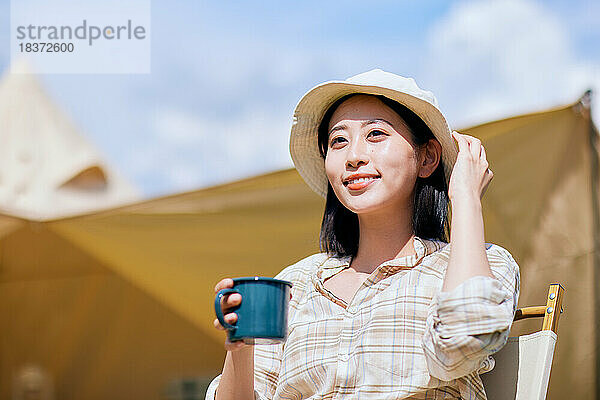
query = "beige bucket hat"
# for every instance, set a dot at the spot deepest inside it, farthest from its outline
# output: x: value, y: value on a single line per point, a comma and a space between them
x: 309, y: 112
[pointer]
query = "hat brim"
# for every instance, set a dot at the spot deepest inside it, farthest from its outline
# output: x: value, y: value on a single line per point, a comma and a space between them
x: 310, y: 110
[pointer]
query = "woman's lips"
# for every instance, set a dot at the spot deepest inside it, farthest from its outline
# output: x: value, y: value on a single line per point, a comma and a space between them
x: 360, y: 183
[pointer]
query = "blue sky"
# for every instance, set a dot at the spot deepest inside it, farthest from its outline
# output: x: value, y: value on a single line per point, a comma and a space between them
x: 227, y: 75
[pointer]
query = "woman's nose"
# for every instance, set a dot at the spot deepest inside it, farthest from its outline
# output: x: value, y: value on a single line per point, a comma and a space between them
x: 357, y: 154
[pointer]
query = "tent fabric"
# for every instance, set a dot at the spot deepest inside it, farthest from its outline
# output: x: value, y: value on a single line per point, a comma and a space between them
x: 125, y: 295
x: 47, y: 168
x: 132, y: 287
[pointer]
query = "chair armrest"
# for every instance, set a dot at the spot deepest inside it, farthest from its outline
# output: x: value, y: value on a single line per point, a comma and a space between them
x: 551, y: 311
x: 530, y: 312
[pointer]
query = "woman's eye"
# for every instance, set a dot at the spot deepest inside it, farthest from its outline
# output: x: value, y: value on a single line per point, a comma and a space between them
x: 377, y: 133
x: 337, y: 140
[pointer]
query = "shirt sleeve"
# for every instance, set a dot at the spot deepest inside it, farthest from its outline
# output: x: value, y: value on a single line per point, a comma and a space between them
x: 211, y: 392
x: 471, y: 322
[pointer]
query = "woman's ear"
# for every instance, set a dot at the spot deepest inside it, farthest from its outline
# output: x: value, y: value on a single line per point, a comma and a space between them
x: 430, y: 158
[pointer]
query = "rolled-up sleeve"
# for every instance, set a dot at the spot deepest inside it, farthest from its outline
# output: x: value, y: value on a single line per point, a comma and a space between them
x: 211, y: 392
x: 471, y: 322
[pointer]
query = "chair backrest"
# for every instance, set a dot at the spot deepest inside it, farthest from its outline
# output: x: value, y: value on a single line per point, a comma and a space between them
x: 522, y: 369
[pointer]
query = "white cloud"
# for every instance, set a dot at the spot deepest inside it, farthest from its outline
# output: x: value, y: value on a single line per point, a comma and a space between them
x: 234, y: 117
x: 177, y: 127
x: 490, y: 59
x: 187, y: 151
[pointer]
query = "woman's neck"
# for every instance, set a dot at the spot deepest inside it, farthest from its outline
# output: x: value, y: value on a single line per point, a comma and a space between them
x: 381, y: 239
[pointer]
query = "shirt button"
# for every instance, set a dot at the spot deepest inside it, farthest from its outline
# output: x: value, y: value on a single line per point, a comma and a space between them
x: 344, y: 357
x: 352, y: 309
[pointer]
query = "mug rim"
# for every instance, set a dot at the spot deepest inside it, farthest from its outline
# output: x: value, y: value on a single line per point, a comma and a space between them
x: 262, y: 279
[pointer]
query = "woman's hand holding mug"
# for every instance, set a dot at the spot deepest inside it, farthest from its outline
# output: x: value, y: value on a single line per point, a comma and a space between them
x: 261, y: 318
x: 228, y: 302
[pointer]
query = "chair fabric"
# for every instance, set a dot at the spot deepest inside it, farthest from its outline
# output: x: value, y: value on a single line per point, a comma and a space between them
x: 522, y: 369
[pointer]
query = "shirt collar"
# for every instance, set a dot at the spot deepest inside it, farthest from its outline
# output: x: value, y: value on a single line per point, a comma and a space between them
x: 423, y: 248
x: 333, y: 265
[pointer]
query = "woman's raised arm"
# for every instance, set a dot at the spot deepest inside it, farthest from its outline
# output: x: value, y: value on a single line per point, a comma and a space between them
x: 471, y: 317
x: 469, y: 180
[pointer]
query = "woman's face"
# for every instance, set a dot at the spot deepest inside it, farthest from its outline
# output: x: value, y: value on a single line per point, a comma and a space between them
x: 371, y: 163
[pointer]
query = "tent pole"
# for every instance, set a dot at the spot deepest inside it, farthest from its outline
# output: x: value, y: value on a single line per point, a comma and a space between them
x: 586, y: 102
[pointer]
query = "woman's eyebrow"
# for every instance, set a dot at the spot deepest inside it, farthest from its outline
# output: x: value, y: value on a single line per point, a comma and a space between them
x: 365, y: 123
x: 338, y: 128
x: 374, y: 121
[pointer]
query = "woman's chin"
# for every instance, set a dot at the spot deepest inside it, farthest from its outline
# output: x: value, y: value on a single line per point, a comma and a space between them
x: 363, y: 206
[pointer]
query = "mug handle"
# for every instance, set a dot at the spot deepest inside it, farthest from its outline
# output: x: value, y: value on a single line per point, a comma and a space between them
x: 219, y: 311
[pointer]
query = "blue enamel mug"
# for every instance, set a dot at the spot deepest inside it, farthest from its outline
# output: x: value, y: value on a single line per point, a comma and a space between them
x: 263, y: 312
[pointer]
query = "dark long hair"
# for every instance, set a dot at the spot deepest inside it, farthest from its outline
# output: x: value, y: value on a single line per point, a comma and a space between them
x: 339, y: 228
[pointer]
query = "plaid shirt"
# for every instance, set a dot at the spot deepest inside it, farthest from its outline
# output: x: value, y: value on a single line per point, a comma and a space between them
x: 399, y: 338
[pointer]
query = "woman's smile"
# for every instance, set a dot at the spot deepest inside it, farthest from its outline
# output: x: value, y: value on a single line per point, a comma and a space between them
x: 360, y: 183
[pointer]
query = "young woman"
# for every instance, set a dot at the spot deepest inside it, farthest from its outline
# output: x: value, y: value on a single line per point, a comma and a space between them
x: 389, y: 309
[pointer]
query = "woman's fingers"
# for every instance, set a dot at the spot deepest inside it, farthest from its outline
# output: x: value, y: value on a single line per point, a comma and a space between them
x: 463, y: 145
x: 228, y: 302
x: 472, y: 146
x: 475, y: 148
x: 471, y: 172
x: 230, y: 318
x: 232, y: 300
x: 461, y: 140
x: 224, y: 284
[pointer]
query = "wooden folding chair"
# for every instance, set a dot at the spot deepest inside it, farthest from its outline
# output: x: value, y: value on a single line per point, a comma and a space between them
x: 522, y: 369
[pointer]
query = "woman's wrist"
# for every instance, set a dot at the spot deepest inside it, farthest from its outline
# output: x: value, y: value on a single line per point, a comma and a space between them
x: 243, y: 353
x: 465, y: 200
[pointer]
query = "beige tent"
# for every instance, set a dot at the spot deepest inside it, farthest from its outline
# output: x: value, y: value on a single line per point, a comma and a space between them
x: 116, y: 304
x: 47, y: 168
